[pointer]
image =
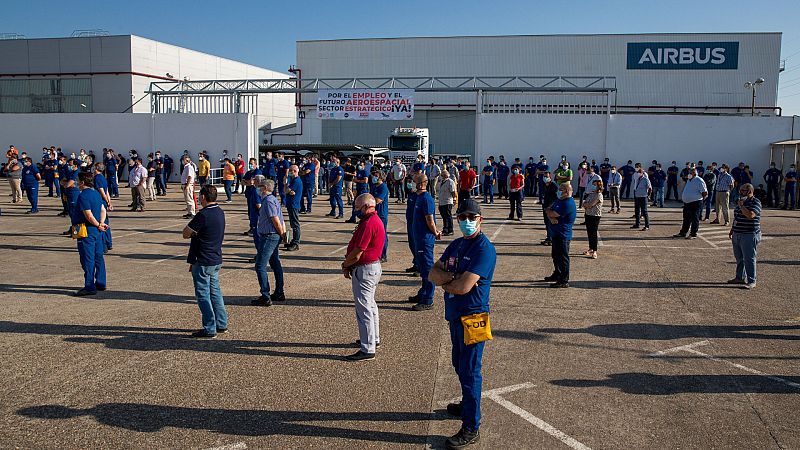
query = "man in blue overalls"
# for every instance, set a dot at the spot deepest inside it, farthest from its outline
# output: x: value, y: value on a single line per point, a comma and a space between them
x: 248, y: 179
x: 488, y: 180
x: 465, y: 272
x: 90, y: 211
x: 380, y: 191
x: 425, y: 235
x: 411, y: 199
x: 101, y: 186
x: 335, y: 177
x: 362, y: 187
x: 281, y: 172
x: 308, y: 177
x: 30, y: 183
x: 50, y: 180
x: 111, y: 173
x: 70, y: 189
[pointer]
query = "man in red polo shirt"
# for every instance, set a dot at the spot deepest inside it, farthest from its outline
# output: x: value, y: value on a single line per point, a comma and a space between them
x: 362, y: 265
x: 466, y: 182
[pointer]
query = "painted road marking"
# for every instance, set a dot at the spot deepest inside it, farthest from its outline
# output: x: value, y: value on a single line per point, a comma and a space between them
x: 236, y: 446
x: 497, y: 231
x: 496, y: 396
x: 690, y: 348
x: 708, y: 241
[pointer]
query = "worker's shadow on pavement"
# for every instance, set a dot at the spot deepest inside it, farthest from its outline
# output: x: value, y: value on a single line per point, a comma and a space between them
x: 159, y: 339
x: 651, y: 384
x: 154, y: 418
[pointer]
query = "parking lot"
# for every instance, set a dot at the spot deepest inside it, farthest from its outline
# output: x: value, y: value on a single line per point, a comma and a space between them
x: 649, y: 348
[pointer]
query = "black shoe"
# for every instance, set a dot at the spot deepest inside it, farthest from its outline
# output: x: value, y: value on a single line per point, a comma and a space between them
x: 413, y: 299
x: 634, y: 226
x: 251, y: 261
x: 340, y: 217
x: 678, y: 235
x: 62, y: 214
x: 546, y: 242
x: 277, y: 297
x: 100, y: 287
x: 384, y: 259
x: 83, y: 293
x: 330, y: 215
x: 261, y: 301
x: 67, y: 233
x: 203, y: 334
x: 350, y: 221
x: 357, y: 344
x: 360, y: 356
x: 463, y: 439
x: 550, y: 278
x: 412, y: 269
x: 246, y: 233
x: 222, y: 330
x: 454, y: 409
x: 560, y: 284
x: 292, y: 248
x: 422, y: 307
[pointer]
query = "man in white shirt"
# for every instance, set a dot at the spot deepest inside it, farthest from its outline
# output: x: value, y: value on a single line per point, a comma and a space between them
x: 398, y: 177
x: 188, y: 176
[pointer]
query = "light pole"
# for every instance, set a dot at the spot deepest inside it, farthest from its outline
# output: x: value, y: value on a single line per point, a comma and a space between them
x: 752, y: 85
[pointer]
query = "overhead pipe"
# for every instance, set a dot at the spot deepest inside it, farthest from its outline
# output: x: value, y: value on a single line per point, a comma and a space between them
x: 297, y: 103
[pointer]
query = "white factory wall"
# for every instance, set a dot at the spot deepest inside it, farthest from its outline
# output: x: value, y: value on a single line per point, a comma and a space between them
x: 157, y: 58
x: 171, y: 133
x: 565, y: 55
x: 640, y: 138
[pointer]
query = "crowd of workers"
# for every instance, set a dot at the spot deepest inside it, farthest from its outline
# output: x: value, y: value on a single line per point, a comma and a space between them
x: 464, y: 270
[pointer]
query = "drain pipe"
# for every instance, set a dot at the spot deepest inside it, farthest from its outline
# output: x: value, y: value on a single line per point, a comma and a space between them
x: 297, y: 103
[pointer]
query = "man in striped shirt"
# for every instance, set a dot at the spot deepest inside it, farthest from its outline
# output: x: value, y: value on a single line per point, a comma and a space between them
x: 745, y: 236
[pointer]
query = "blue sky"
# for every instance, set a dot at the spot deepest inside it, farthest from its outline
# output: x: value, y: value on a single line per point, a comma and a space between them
x: 264, y: 32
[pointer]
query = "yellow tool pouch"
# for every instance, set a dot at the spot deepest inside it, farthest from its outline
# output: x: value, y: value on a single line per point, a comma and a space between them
x: 79, y: 231
x: 476, y: 328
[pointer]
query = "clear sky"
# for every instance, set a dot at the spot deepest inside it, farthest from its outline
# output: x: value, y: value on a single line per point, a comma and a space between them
x: 263, y: 33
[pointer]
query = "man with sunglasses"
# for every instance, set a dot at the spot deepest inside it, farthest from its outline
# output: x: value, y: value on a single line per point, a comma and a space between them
x: 465, y: 272
x: 562, y: 217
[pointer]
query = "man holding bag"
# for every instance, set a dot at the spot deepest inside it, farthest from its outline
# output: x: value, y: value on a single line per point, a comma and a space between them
x: 465, y: 272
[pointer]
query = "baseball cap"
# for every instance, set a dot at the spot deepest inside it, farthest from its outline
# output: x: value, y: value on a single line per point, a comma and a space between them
x: 469, y: 206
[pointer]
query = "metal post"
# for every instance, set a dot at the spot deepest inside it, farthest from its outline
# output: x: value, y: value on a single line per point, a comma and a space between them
x: 753, y: 105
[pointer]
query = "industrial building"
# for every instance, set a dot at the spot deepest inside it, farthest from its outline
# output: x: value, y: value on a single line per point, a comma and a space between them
x: 635, y: 96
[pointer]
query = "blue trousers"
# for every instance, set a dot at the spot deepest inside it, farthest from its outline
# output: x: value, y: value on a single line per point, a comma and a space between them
x: 105, y: 236
x: 745, y: 246
x: 268, y: 253
x: 546, y: 224
x: 488, y: 192
x: 305, y: 200
x: 49, y: 182
x: 228, y: 188
x: 789, y: 191
x: 467, y: 360
x: 209, y: 297
x: 385, y: 221
x: 658, y: 196
x: 90, y: 250
x: 707, y: 204
x: 410, y: 234
x: 424, y: 258
x: 113, y: 185
x: 560, y: 254
x: 336, y: 201
x: 625, y: 188
x: 33, y: 197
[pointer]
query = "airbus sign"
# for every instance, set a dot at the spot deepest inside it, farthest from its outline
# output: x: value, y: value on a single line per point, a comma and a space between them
x: 683, y: 55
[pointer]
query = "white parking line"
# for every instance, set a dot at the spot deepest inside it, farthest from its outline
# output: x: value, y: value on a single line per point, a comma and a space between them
x: 497, y: 231
x: 496, y: 396
x: 690, y: 348
x: 236, y: 446
x: 708, y: 241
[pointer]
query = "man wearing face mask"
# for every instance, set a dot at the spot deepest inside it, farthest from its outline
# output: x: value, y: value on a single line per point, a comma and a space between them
x: 410, y: 186
x: 693, y: 195
x: 335, y: 177
x: 467, y: 181
x: 516, y: 184
x: 773, y: 177
x: 627, y: 171
x: 487, y: 185
x: 672, y: 181
x: 531, y: 180
x: 380, y: 192
x: 203, y: 169
x: 614, y: 181
x: 362, y: 187
x: 722, y: 194
x: 659, y: 178
x: 502, y: 179
x: 294, y: 188
x: 425, y: 235
x: 362, y: 266
x: 790, y: 190
x: 562, y: 216
x: 605, y: 174
x: 465, y: 271
x: 641, y: 192
x: 542, y: 169
x: 549, y: 192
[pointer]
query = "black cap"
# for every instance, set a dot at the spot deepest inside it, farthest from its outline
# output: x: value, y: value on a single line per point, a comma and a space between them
x: 469, y: 206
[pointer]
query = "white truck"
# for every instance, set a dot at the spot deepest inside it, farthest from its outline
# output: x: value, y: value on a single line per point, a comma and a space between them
x: 408, y: 143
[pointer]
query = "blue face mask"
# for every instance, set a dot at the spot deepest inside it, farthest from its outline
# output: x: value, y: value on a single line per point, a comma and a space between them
x: 374, y: 180
x: 468, y: 227
x: 359, y: 214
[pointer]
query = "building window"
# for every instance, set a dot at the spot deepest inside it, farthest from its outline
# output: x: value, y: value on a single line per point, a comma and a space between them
x: 71, y: 95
